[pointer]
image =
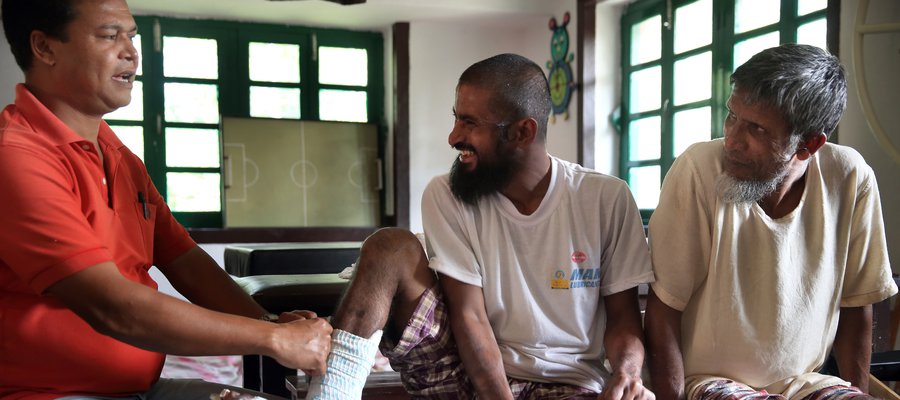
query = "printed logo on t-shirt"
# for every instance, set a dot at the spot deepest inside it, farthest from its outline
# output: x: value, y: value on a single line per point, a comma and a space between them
x: 579, y: 257
x: 559, y: 280
x: 579, y: 279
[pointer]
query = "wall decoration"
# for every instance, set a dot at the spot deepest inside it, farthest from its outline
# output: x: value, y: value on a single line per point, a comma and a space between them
x: 562, y: 83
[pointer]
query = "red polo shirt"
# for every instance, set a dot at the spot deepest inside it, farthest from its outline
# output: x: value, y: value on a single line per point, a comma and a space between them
x: 61, y: 212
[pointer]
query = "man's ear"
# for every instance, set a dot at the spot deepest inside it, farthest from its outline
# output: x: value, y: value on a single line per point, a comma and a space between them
x: 523, y: 132
x: 42, y: 49
x: 810, y: 145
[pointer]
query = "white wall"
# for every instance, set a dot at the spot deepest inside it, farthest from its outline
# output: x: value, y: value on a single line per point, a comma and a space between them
x: 882, y: 68
x: 10, y: 74
x: 608, y: 86
x: 439, y: 53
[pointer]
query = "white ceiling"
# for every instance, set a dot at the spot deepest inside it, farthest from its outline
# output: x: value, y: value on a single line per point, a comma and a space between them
x: 371, y: 15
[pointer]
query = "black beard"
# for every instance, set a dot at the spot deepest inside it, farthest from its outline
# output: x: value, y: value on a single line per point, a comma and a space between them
x: 487, y: 178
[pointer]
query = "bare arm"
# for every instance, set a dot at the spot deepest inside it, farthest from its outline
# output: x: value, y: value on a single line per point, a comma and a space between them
x: 140, y: 316
x: 475, y: 339
x: 662, y: 325
x: 198, y: 278
x: 853, y: 345
x: 624, y: 345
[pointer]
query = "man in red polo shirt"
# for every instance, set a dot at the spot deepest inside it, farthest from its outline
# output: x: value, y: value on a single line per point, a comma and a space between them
x: 82, y: 223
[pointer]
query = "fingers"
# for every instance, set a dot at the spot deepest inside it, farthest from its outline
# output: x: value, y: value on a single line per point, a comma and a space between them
x: 622, y: 387
x: 305, y: 313
x: 296, y: 315
x: 303, y: 344
x: 319, y: 344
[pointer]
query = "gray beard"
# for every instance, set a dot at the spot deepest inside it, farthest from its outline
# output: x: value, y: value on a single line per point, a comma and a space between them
x: 734, y: 191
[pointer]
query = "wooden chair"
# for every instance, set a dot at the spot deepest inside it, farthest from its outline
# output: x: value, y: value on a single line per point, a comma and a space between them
x: 879, y: 390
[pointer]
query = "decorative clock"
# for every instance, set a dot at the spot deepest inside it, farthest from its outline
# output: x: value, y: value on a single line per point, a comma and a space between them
x: 562, y: 83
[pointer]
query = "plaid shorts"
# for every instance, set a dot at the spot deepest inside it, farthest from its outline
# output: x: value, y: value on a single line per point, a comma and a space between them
x: 730, y: 390
x: 428, y: 361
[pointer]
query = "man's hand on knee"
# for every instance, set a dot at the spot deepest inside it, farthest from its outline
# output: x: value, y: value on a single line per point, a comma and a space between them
x: 624, y: 386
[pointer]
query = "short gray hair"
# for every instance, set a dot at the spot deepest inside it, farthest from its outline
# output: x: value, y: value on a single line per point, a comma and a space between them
x: 805, y: 83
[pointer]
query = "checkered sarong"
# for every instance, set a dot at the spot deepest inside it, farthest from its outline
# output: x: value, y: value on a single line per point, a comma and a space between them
x: 428, y: 361
x: 725, y: 389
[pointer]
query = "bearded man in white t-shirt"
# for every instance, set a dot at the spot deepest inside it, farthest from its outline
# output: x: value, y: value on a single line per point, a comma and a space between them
x: 537, y: 264
x: 768, y: 246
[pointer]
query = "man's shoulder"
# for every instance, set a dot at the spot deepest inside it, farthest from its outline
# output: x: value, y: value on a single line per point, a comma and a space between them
x: 838, y: 163
x: 15, y: 130
x: 439, y: 183
x: 839, y: 156
x: 579, y: 175
x: 704, y: 152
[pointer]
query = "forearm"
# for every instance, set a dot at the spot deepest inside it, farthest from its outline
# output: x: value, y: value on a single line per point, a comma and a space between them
x: 481, y: 358
x: 141, y: 316
x: 853, y: 345
x: 662, y: 326
x: 624, y: 339
x: 625, y: 353
x: 199, y: 279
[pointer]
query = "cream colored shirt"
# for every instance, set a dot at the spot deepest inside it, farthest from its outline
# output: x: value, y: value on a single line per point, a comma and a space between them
x: 761, y: 297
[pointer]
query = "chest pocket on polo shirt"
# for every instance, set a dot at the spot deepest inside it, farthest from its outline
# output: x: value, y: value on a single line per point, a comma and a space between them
x: 146, y: 217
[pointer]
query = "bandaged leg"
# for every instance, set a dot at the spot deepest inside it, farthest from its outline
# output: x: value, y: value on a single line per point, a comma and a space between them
x: 347, y: 368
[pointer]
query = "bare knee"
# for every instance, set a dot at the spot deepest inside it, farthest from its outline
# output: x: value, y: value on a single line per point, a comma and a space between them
x: 385, y: 275
x: 395, y: 249
x: 397, y: 258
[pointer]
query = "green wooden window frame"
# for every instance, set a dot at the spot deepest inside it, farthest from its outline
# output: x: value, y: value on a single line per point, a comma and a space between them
x: 234, y: 83
x: 722, y: 45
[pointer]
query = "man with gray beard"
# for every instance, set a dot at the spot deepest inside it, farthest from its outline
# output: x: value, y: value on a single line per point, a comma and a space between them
x: 768, y: 245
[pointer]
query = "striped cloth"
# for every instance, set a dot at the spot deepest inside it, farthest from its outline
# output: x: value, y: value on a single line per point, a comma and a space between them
x: 428, y: 361
x: 730, y: 390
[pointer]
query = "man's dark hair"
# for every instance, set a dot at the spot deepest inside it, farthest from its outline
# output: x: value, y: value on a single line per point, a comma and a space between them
x: 805, y: 83
x: 21, y: 17
x: 519, y: 87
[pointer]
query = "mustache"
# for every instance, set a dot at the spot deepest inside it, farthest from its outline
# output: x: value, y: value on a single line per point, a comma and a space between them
x: 463, y: 146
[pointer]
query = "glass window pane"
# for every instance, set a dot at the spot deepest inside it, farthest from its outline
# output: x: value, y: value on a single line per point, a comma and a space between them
x: 191, y: 102
x: 189, y: 147
x: 646, y: 40
x: 813, y: 33
x: 132, y: 137
x: 644, y: 139
x: 193, y: 191
x: 134, y: 111
x: 343, y: 66
x: 807, y: 6
x: 646, y: 89
x: 689, y: 127
x: 693, y: 26
x: 137, y: 46
x: 343, y: 105
x: 274, y: 62
x: 752, y: 14
x: 644, y: 184
x: 270, y: 102
x: 190, y: 57
x: 693, y: 78
x: 748, y: 48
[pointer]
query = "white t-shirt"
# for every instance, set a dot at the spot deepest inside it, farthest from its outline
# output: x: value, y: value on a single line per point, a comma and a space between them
x: 761, y: 297
x: 544, y: 275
